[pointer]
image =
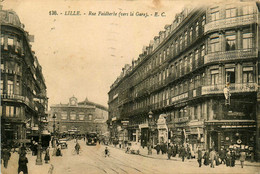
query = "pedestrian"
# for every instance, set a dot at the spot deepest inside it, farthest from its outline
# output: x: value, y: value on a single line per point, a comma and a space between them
x: 199, y: 157
x: 158, y: 148
x: 77, y: 147
x: 169, y: 151
x: 206, y: 158
x: 252, y: 156
x: 22, y: 150
x: 228, y: 159
x: 47, y: 155
x: 188, y: 152
x: 212, y: 156
x: 182, y: 153
x: 106, y: 152
x: 58, y: 151
x: 233, y: 158
x: 222, y: 156
x: 6, y: 156
x: 242, y: 158
x: 22, y: 164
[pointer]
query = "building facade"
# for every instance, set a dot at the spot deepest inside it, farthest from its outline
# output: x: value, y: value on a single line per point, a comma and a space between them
x: 23, y: 90
x: 78, y: 117
x: 181, y: 76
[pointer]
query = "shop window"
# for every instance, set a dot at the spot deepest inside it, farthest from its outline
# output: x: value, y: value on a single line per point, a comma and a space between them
x: 248, y: 10
x: 248, y: 74
x: 230, y: 42
x: 214, y: 77
x: 215, y: 45
x: 231, y: 12
x: 247, y: 40
x: 230, y: 75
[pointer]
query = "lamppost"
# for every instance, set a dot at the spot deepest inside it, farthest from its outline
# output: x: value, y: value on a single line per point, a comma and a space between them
x: 150, y: 117
x: 39, y: 148
x: 54, y: 117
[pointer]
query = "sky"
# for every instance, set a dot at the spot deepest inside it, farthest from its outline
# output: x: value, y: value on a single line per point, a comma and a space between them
x: 83, y: 55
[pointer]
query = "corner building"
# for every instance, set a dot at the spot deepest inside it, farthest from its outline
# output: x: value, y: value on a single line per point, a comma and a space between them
x: 182, y: 74
x: 23, y: 91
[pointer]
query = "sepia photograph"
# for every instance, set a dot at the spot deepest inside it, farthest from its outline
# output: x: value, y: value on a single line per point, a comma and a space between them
x: 130, y: 86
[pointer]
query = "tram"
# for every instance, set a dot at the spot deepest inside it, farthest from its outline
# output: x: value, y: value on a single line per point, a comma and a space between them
x: 91, y: 138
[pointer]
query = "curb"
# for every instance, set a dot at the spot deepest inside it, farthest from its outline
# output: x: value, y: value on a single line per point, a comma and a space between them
x: 174, y: 159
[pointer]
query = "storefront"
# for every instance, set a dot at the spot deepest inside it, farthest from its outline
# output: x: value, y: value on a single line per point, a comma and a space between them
x: 196, y: 134
x: 234, y: 134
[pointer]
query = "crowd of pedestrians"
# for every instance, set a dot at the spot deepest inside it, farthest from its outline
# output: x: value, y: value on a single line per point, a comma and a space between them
x: 209, y: 157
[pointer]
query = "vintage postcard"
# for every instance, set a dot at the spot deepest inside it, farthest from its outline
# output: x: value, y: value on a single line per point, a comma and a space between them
x: 130, y: 87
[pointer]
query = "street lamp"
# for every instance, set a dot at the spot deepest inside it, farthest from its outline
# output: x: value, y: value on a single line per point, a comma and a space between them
x: 39, y: 153
x: 150, y: 115
x: 54, y: 117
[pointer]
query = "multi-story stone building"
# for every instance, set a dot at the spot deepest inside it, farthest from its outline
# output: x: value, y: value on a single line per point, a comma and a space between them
x: 78, y: 117
x: 23, y: 90
x: 182, y: 75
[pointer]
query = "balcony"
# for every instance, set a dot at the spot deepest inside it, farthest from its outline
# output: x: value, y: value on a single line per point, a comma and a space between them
x: 234, y: 88
x: 231, y: 22
x: 17, y: 98
x: 230, y: 55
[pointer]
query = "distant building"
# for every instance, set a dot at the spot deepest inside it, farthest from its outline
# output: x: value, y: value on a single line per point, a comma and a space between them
x: 181, y: 75
x: 78, y: 117
x: 23, y: 90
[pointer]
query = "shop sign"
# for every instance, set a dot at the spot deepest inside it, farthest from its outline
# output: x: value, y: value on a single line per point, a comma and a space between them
x: 145, y: 125
x: 180, y: 97
x: 195, y: 123
x: 236, y: 114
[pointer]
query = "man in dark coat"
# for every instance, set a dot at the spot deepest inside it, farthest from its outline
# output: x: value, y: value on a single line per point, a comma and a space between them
x: 182, y: 153
x: 22, y: 164
x: 222, y: 156
x: 206, y: 158
x: 233, y: 158
x: 6, y: 156
x: 169, y: 151
x: 199, y: 157
x: 158, y: 148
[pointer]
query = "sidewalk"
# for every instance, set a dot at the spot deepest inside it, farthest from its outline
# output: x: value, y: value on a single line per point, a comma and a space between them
x: 144, y: 153
x: 32, y: 167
